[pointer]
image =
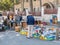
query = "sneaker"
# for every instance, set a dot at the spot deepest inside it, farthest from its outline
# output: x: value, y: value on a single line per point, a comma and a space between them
x: 31, y: 37
x: 28, y: 37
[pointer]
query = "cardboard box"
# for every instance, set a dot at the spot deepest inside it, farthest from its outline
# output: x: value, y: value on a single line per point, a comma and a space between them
x: 17, y: 28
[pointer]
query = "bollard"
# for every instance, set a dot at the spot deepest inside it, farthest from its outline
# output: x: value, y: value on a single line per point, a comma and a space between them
x: 57, y: 34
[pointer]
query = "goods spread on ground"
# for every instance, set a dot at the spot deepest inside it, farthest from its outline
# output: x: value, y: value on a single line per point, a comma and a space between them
x: 42, y: 33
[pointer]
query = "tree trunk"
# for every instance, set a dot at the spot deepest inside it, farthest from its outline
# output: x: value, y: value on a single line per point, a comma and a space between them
x: 31, y: 5
x: 22, y: 5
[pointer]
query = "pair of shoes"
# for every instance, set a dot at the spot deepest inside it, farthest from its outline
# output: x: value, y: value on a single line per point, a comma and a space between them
x: 31, y: 37
x: 28, y: 37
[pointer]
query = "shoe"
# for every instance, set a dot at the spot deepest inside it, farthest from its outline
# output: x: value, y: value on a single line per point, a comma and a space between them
x: 31, y: 37
x: 28, y: 37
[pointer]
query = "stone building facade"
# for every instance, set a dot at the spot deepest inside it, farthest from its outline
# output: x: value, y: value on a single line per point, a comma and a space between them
x: 36, y: 4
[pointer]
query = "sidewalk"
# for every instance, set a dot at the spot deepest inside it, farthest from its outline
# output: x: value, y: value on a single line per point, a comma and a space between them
x: 14, y: 38
x: 56, y: 41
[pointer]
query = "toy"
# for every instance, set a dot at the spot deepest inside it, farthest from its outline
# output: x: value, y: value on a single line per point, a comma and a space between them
x: 36, y: 35
x: 50, y: 38
x: 52, y: 28
x: 44, y: 23
x: 26, y: 33
x: 45, y: 38
x: 51, y: 21
x: 42, y: 37
x: 23, y: 32
x: 54, y: 19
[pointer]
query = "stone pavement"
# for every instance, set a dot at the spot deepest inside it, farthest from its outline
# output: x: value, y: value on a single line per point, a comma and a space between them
x: 14, y: 38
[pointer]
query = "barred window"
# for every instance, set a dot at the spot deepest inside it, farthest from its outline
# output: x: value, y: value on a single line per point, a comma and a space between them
x: 26, y: 0
x: 34, y: 0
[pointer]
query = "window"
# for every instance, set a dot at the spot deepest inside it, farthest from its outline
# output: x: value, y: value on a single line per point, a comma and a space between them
x: 26, y: 0
x: 26, y: 8
x: 38, y: 9
x: 34, y: 0
x: 34, y: 9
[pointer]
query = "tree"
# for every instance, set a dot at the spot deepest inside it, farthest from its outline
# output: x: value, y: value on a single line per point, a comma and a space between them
x: 6, y: 5
x: 23, y: 5
x: 15, y: 1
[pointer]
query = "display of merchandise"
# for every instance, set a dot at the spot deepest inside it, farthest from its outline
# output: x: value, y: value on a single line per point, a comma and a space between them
x: 23, y: 32
x: 45, y: 33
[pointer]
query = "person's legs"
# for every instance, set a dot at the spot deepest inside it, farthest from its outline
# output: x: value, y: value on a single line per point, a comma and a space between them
x: 31, y: 30
x: 21, y: 25
x: 28, y: 36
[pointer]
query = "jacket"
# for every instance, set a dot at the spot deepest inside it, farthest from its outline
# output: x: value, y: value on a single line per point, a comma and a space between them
x: 30, y: 20
x: 18, y: 18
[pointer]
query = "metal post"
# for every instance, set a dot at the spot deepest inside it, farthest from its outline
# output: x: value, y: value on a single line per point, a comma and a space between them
x: 57, y: 34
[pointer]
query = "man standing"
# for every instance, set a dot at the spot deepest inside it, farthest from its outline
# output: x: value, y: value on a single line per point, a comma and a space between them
x: 18, y: 17
x: 30, y: 23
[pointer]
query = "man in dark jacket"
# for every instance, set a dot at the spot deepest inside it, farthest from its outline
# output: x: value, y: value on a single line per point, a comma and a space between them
x: 30, y: 23
x: 18, y: 19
